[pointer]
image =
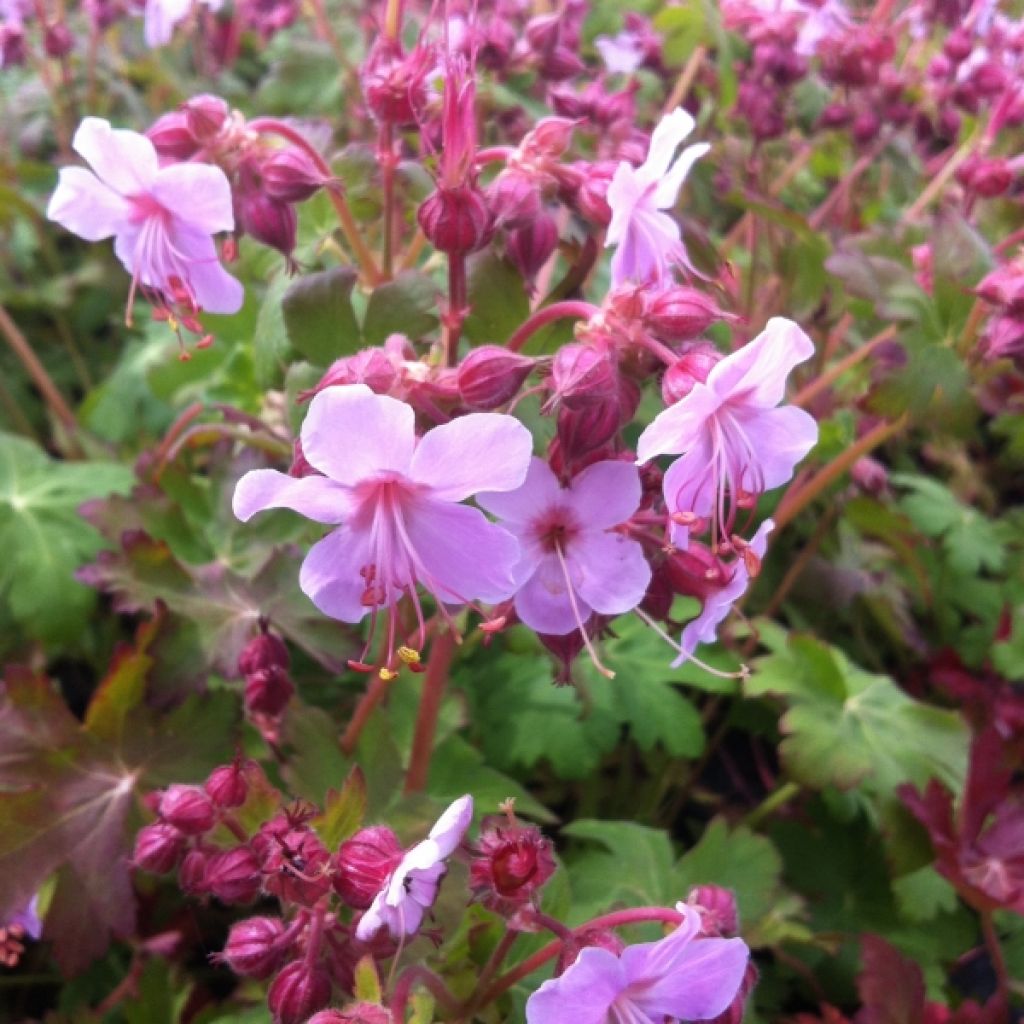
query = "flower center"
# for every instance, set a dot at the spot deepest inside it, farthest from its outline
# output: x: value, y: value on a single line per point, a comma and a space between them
x: 555, y: 529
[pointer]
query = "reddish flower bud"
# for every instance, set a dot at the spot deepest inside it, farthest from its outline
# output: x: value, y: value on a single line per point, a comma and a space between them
x: 512, y: 863
x: 363, y: 863
x: 262, y: 653
x: 13, y: 50
x: 691, y: 368
x: 602, y: 938
x: 717, y: 909
x: 253, y: 948
x: 395, y: 84
x: 268, y: 221
x: 491, y: 375
x: 298, y: 992
x: 592, y: 194
x: 958, y: 45
x: 514, y: 198
x: 1004, y: 286
x: 296, y: 867
x: 565, y: 649
x: 192, y: 873
x: 187, y: 808
x: 233, y: 876
x: 268, y: 693
x: 835, y: 115
x: 455, y: 220
x: 530, y: 246
x: 205, y: 116
x: 560, y: 63
x: 695, y: 572
x: 865, y: 127
x: 681, y: 314
x: 991, y: 177
x: 227, y: 785
x: 57, y: 40
x: 542, y: 31
x: 158, y: 848
x: 551, y: 136
x: 583, y: 375
x: 172, y: 137
x: 291, y: 176
x: 354, y: 1013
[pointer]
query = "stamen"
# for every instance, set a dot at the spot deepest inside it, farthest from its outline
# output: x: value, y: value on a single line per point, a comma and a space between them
x: 742, y: 674
x: 606, y: 672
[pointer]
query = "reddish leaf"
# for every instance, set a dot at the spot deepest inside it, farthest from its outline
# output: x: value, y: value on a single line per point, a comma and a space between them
x: 891, y: 986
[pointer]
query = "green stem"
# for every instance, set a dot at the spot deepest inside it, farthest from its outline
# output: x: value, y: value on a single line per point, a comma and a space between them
x: 771, y: 803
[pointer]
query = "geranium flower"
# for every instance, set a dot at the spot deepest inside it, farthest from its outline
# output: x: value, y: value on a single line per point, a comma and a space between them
x: 648, y: 241
x: 735, y: 442
x: 162, y: 16
x: 571, y: 563
x: 622, y: 54
x: 161, y: 218
x: 411, y: 889
x: 398, y: 498
x: 679, y: 977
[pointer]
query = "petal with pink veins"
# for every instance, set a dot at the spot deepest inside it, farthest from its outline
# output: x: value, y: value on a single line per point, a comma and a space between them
x: 215, y: 290
x: 540, y: 490
x: 605, y: 494
x: 667, y: 191
x: 85, y: 206
x: 315, y: 497
x: 680, y: 427
x: 779, y: 438
x: 330, y: 576
x: 198, y: 194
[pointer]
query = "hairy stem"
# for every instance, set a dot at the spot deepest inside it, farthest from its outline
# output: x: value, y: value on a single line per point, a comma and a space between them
x: 548, y: 314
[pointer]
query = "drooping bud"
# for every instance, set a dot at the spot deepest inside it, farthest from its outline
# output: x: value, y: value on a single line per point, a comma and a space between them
x: 717, y: 909
x: 205, y: 116
x: 491, y: 375
x: 158, y: 848
x: 233, y: 876
x: 986, y: 177
x: 298, y: 991
x: 455, y: 220
x: 363, y: 863
x: 1004, y: 286
x: 529, y: 247
x: 253, y: 949
x: 565, y: 648
x: 58, y: 40
x: 551, y: 136
x: 514, y: 198
x: 268, y: 693
x: 227, y: 785
x: 512, y: 863
x: 291, y: 176
x: 187, y: 808
x: 172, y: 138
x: 296, y: 867
x: 958, y: 45
x: 691, y: 368
x: 263, y: 653
x: 592, y: 193
x: 395, y: 84
x: 268, y: 221
x: 682, y: 314
x: 542, y: 32
x: 583, y: 375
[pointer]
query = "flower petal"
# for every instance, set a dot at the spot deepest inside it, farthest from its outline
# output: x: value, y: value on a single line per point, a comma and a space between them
x: 614, y: 575
x: 666, y: 139
x: 479, y: 452
x: 688, y: 484
x: 351, y: 434
x: 667, y: 192
x: 625, y: 191
x: 161, y: 17
x: 451, y: 826
x: 330, y: 577
x: 461, y: 556
x: 539, y: 490
x: 315, y: 497
x: 778, y: 440
x: 543, y: 601
x: 84, y: 205
x: 582, y: 994
x: 645, y: 962
x: 679, y: 427
x: 126, y: 161
x: 215, y: 290
x: 756, y: 374
x: 196, y: 194
x: 605, y: 494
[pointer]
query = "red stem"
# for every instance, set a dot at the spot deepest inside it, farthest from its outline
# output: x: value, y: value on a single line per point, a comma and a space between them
x: 403, y: 989
x: 546, y: 315
x: 434, y: 681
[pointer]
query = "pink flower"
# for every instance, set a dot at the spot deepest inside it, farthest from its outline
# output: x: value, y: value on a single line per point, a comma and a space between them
x: 161, y: 218
x: 571, y: 561
x: 163, y: 15
x: 648, y: 239
x: 622, y: 54
x: 719, y: 600
x: 26, y: 919
x: 679, y: 977
x: 398, y: 500
x: 411, y: 889
x: 735, y: 442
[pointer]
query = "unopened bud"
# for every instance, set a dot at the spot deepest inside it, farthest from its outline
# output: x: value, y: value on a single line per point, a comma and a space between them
x: 299, y: 990
x: 512, y: 864
x: 514, y: 198
x: 681, y: 314
x: 233, y: 876
x: 455, y: 220
x: 592, y: 194
x: 583, y: 375
x: 395, y: 84
x: 491, y: 375
x: 296, y: 867
x: 551, y: 136
x: 717, y: 909
x: 354, y: 1013
x: 542, y: 31
x: 205, y: 116
x: 363, y: 863
x: 291, y: 176
x: 601, y: 938
x: 227, y: 785
x: 192, y: 873
x: 57, y: 40
x: 958, y: 45
x: 158, y: 848
x: 172, y: 138
x: 268, y: 221
x: 187, y: 808
x: 529, y: 247
x: 690, y: 369
x: 268, y: 693
x: 253, y: 949
x: 264, y: 651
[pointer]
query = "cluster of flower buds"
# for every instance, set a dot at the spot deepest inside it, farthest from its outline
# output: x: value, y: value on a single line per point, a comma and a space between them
x: 16, y: 16
x: 1004, y: 334
x: 263, y: 664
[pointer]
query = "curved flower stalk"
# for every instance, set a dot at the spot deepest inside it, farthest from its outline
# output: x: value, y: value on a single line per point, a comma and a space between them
x: 396, y: 502
x: 735, y: 440
x: 647, y: 239
x: 162, y: 219
x: 681, y: 977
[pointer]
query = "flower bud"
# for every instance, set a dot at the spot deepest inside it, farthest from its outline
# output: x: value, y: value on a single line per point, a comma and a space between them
x: 583, y: 375
x: 681, y: 314
x: 57, y: 40
x: 694, y: 572
x: 835, y: 115
x: 187, y: 808
x: 395, y: 84
x: 865, y: 127
x: 491, y: 375
x: 172, y: 138
x: 512, y: 863
x: 717, y: 909
x: 691, y: 368
x: 958, y: 45
x: 192, y: 873
x: 514, y: 198
x: 542, y: 31
x: 233, y: 876
x: 354, y: 1013
x: 560, y: 63
x: 262, y: 653
x: 592, y: 194
x: 530, y: 246
x: 298, y: 992
x: 565, y: 649
x: 267, y: 220
x: 991, y: 177
x: 291, y: 176
x: 455, y: 220
x: 1004, y: 286
x: 253, y: 948
x: 296, y: 867
x: 601, y: 938
x: 205, y: 116
x: 363, y: 863
x: 551, y: 136
x: 227, y: 785
x: 268, y: 693
x: 158, y: 848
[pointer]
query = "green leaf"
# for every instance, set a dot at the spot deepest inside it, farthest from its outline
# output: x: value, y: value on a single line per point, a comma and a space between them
x: 406, y: 306
x: 319, y: 317
x: 270, y: 339
x: 343, y: 810
x: 497, y: 299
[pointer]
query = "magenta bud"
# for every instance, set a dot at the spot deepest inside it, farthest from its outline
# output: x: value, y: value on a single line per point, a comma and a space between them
x: 253, y: 949
x: 592, y: 194
x: 514, y: 198
x: 291, y: 176
x: 835, y: 115
x: 354, y: 1013
x: 57, y: 40
x: 560, y: 63
x: 187, y: 808
x: 491, y: 375
x: 205, y: 116
x: 717, y: 909
x: 690, y: 369
x: 268, y: 693
x: 551, y: 136
x: 542, y: 31
x: 681, y: 314
x: 1004, y: 286
x: 299, y: 990
x: 455, y: 220
x: 295, y: 866
x: 865, y: 127
x: 529, y: 247
x: 583, y: 375
x: 990, y: 177
x: 263, y: 652
x: 958, y: 45
x: 192, y: 873
x: 158, y: 848
x: 512, y: 864
x: 172, y: 138
x: 227, y: 785
x: 601, y: 938
x: 233, y: 876
x: 267, y: 220
x: 363, y: 863
x: 395, y: 84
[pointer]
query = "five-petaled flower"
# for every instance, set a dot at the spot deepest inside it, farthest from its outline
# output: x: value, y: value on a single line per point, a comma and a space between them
x: 734, y: 440
x: 398, y: 500
x: 647, y: 238
x: 681, y: 977
x: 162, y: 219
x: 411, y: 888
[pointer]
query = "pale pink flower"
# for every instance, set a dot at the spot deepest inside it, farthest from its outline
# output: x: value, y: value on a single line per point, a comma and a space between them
x: 621, y: 54
x: 162, y: 219
x: 162, y: 16
x: 647, y: 238
x: 411, y: 888
x: 682, y: 977
x: 734, y: 440
x: 26, y: 919
x: 398, y: 500
x: 572, y: 562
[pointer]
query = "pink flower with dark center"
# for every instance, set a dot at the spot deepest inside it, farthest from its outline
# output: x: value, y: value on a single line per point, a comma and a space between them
x: 161, y: 218
x: 647, y: 238
x: 734, y: 440
x: 682, y: 977
x: 397, y: 499
x: 572, y: 562
x: 411, y: 889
